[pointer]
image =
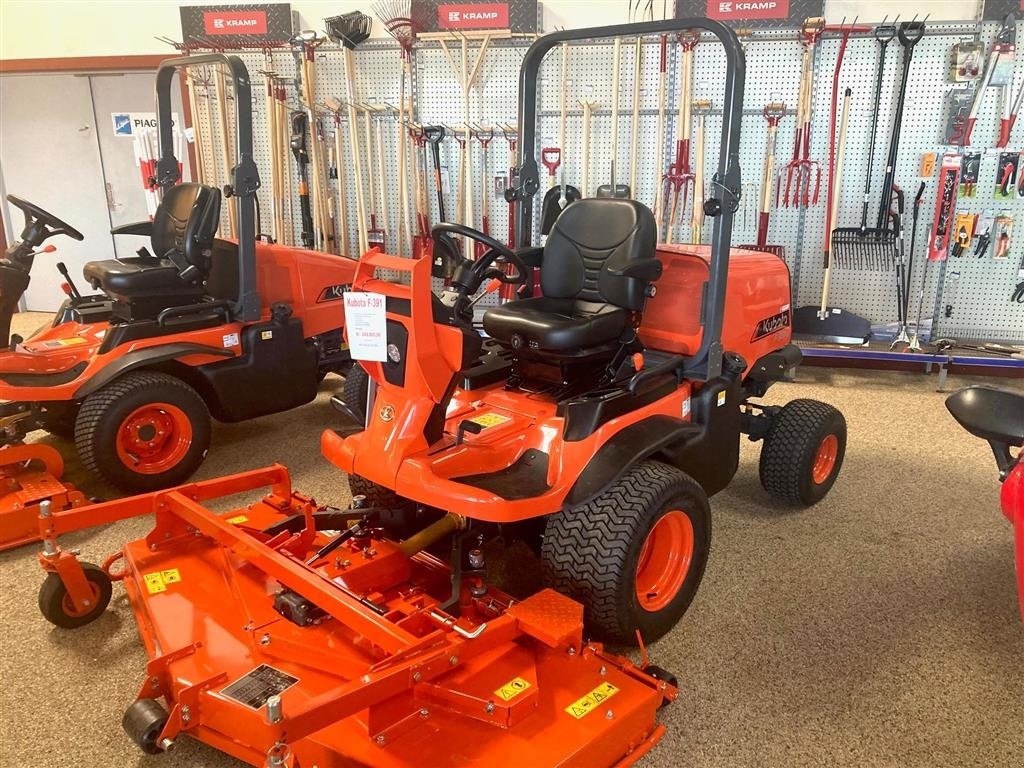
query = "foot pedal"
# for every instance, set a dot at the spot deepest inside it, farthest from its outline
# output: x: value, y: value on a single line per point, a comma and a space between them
x: 550, y: 617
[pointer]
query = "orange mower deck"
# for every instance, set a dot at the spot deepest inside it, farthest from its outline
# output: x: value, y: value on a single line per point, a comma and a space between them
x: 367, y: 667
x: 30, y: 475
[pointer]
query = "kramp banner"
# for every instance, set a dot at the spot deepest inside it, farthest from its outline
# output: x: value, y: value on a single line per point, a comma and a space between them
x: 236, y: 26
x: 752, y: 13
x: 445, y: 15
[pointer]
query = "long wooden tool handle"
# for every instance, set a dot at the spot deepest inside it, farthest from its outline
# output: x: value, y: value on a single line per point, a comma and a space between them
x: 381, y: 178
x: 616, y: 66
x: 834, y: 202
x: 353, y: 143
x: 697, y: 218
x: 197, y: 143
x: 634, y: 144
x: 219, y: 86
x: 342, y: 234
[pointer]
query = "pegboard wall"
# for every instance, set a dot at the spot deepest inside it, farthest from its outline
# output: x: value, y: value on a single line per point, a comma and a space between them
x: 976, y: 289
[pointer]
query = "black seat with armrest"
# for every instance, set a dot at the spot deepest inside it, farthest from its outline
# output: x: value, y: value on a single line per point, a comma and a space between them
x: 181, y: 236
x: 598, y: 265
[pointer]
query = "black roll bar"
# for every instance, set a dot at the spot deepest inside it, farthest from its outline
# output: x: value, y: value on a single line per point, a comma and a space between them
x: 706, y: 362
x: 245, y: 177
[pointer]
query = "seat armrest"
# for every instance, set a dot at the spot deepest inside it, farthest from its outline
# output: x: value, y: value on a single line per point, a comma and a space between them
x: 647, y: 270
x: 532, y: 255
x: 137, y: 228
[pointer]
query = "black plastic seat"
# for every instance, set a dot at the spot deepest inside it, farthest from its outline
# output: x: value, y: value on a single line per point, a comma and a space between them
x: 992, y: 414
x: 181, y: 237
x: 598, y: 263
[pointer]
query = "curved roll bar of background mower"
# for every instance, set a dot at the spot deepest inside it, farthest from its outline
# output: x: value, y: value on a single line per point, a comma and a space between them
x: 706, y: 362
x: 245, y: 175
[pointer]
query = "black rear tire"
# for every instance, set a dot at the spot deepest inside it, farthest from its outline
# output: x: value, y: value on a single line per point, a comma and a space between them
x: 795, y: 465
x: 55, y: 602
x: 592, y: 552
x: 108, y: 410
x: 144, y: 721
x: 353, y: 392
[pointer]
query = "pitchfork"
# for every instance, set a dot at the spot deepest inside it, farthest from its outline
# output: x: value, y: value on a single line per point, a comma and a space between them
x: 679, y: 177
x: 802, y: 173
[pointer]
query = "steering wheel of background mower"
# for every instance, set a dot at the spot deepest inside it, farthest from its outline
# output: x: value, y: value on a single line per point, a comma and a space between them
x: 50, y: 223
x: 482, y: 268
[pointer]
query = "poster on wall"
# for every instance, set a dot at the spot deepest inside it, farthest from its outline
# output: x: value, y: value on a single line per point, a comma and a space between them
x: 997, y: 10
x: 445, y: 15
x: 236, y: 26
x: 752, y: 13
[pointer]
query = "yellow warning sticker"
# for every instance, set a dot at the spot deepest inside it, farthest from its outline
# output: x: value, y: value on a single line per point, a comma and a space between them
x: 511, y: 689
x: 721, y: 397
x: 590, y: 702
x: 237, y: 520
x: 490, y: 419
x: 158, y: 580
x: 65, y: 342
x: 266, y: 335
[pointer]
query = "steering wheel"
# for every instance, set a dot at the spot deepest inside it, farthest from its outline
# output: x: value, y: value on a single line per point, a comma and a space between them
x: 470, y: 275
x: 51, y: 225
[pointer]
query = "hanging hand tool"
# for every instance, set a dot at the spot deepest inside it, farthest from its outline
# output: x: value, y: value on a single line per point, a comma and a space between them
x: 614, y: 189
x: 834, y: 192
x: 421, y: 240
x: 1002, y: 48
x: 300, y: 123
x: 434, y: 134
x: 914, y: 344
x: 773, y: 112
x: 376, y: 236
x: 899, y: 224
x: 961, y: 235
x: 382, y: 193
x: 507, y: 291
x: 1006, y: 124
x: 273, y: 144
x: 884, y: 34
x: 802, y: 172
x: 678, y: 177
x: 484, y: 136
x: 351, y: 29
x: 913, y: 246
x: 551, y: 157
x: 1006, y: 174
x: 460, y: 183
x: 701, y: 108
x: 563, y: 199
x: 220, y: 94
x: 305, y: 45
x: 588, y: 112
x: 634, y: 132
x: 341, y: 233
x: 659, y: 163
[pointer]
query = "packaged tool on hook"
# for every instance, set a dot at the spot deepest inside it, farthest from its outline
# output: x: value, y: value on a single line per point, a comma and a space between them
x: 1002, y: 233
x: 928, y: 165
x: 970, y: 168
x: 949, y: 294
x: 967, y: 58
x: 983, y: 232
x: 945, y: 204
x: 1006, y: 175
x: 963, y: 232
x: 958, y: 111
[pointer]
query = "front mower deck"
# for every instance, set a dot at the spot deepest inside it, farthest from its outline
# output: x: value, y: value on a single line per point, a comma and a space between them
x: 360, y: 657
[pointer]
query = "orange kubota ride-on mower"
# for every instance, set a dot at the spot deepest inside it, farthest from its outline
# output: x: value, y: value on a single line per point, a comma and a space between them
x: 195, y: 326
x: 291, y: 634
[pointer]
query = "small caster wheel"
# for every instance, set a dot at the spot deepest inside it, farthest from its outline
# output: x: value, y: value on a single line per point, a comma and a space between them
x: 661, y: 674
x: 144, y: 721
x: 55, y: 602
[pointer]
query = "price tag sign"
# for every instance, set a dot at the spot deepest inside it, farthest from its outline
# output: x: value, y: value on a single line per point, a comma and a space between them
x: 365, y: 326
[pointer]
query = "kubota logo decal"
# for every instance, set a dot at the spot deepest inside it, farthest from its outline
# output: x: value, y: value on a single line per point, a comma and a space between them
x: 331, y: 293
x: 770, y: 325
x: 744, y: 10
x: 235, y: 22
x: 474, y: 16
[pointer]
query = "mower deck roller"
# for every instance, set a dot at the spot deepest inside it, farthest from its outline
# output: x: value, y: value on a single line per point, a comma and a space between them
x: 369, y: 655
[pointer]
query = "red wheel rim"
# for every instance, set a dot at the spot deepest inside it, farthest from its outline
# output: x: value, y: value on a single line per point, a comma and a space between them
x: 154, y: 438
x: 664, y: 560
x: 67, y: 605
x: 825, y: 459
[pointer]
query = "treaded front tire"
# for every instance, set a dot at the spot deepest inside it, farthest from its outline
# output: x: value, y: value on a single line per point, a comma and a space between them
x: 605, y: 553
x: 144, y: 431
x: 353, y: 392
x: 803, y: 452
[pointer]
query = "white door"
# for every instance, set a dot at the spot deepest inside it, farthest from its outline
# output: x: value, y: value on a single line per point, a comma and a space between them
x: 49, y: 155
x: 128, y: 94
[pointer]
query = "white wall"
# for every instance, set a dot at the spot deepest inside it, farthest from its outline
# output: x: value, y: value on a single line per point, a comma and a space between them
x: 129, y: 27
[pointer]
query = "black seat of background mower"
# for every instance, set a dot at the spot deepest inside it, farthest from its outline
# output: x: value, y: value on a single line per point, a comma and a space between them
x: 181, y: 237
x: 989, y: 413
x: 598, y: 263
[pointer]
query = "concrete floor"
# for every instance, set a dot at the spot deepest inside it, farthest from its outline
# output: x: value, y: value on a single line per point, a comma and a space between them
x: 879, y: 628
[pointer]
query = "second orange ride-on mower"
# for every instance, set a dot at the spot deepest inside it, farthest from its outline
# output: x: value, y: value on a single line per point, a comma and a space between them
x: 195, y: 326
x: 602, y: 414
x: 288, y: 634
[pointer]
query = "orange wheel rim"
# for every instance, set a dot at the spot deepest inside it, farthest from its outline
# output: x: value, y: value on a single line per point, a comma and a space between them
x: 825, y: 459
x: 154, y: 438
x: 67, y: 605
x: 664, y: 560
